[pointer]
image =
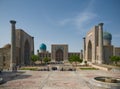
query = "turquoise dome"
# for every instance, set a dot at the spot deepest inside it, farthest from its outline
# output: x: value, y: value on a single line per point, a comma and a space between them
x: 107, y: 36
x: 43, y: 47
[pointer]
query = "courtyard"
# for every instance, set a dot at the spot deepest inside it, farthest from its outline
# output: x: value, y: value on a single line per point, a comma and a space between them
x: 26, y: 79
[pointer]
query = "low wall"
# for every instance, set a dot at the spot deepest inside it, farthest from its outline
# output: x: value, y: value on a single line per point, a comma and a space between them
x: 101, y: 67
x: 112, y: 69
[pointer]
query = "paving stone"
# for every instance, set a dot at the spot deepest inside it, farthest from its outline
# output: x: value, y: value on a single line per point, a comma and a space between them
x: 53, y: 79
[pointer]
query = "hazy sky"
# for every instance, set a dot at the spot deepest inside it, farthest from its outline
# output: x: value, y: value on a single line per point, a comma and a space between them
x: 59, y: 21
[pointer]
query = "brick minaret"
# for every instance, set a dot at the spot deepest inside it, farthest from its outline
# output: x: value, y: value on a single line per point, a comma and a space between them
x: 84, y: 49
x: 13, y: 46
x: 100, y: 44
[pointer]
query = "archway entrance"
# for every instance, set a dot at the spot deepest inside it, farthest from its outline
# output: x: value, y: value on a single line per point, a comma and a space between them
x: 89, y: 51
x: 59, y: 55
x: 26, y: 53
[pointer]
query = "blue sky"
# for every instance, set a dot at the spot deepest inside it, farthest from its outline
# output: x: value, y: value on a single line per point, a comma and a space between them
x: 59, y: 21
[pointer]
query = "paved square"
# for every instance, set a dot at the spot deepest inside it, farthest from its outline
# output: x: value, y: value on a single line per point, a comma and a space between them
x: 52, y: 79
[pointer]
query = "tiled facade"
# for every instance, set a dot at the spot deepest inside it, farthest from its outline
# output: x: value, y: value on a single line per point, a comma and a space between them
x: 97, y: 46
x: 24, y: 48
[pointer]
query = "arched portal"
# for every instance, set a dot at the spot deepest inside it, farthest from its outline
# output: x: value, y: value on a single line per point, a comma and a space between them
x: 89, y: 51
x: 59, y: 55
x: 27, y: 53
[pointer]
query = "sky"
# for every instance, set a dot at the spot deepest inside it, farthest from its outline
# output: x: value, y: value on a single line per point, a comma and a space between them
x: 59, y: 21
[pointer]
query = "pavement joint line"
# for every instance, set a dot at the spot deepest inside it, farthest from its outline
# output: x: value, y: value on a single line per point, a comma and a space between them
x: 45, y: 81
x: 79, y: 79
x: 88, y: 84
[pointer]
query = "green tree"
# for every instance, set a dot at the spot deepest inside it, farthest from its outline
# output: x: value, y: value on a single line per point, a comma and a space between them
x: 34, y: 58
x: 75, y: 59
x: 46, y: 60
x: 115, y: 59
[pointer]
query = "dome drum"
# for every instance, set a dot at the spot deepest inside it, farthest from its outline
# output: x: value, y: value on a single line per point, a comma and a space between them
x: 106, y: 42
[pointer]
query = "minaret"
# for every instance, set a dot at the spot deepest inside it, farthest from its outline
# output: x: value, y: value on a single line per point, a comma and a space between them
x: 81, y: 54
x: 33, y: 45
x: 84, y: 44
x: 13, y: 46
x: 100, y: 44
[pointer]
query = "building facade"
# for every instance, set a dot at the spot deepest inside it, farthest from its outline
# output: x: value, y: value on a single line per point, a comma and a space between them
x: 59, y: 52
x: 19, y: 51
x: 5, y: 56
x: 97, y: 46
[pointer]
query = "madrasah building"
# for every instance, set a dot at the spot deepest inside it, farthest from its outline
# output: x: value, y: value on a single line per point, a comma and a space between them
x: 59, y: 52
x: 97, y: 48
x: 19, y: 51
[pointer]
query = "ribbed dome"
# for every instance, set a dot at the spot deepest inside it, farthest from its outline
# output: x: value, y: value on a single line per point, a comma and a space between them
x: 107, y: 36
x: 43, y: 47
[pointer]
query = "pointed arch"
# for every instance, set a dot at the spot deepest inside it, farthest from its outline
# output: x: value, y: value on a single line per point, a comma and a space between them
x: 26, y: 53
x: 59, y: 55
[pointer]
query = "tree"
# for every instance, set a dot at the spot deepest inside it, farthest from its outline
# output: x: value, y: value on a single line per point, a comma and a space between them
x: 46, y: 60
x: 34, y: 58
x: 75, y: 59
x: 115, y: 59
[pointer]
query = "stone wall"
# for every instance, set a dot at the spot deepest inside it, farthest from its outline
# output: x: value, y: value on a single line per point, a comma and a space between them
x: 4, y: 58
x: 108, y: 52
x: 74, y: 53
x: 116, y: 51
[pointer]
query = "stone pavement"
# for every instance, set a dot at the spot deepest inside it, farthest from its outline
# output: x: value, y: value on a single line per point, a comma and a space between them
x: 53, y: 79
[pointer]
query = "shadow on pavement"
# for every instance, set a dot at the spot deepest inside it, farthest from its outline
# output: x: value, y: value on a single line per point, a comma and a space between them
x: 9, y: 76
